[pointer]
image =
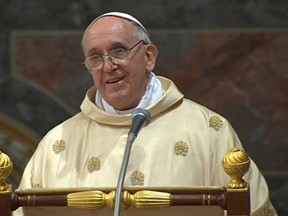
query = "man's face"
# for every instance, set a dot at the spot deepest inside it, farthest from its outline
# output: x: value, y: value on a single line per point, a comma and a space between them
x: 121, y: 85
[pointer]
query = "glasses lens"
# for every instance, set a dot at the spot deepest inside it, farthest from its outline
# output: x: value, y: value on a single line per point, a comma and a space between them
x: 94, y: 61
x: 118, y: 54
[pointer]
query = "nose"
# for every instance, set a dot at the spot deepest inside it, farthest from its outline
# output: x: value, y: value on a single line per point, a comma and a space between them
x: 108, y: 65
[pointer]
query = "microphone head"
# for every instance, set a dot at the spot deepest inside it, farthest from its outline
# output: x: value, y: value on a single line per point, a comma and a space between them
x: 143, y: 113
x: 140, y: 118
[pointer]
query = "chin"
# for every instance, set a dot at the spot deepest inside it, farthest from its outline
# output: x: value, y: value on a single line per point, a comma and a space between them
x: 118, y: 103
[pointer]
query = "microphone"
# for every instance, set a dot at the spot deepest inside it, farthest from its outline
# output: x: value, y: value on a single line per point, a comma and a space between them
x: 140, y: 118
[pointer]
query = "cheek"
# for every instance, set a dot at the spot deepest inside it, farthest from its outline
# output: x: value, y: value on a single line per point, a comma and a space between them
x: 96, y: 80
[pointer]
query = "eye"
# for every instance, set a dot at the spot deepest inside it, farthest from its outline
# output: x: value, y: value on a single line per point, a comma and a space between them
x: 94, y: 57
x: 94, y: 61
x: 118, y: 53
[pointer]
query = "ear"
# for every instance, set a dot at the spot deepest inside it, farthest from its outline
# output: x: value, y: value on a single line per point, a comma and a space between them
x: 151, y: 56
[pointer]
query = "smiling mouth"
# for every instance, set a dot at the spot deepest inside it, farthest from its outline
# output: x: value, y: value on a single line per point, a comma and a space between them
x: 114, y: 81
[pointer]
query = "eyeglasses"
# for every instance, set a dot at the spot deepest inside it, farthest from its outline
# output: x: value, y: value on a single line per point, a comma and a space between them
x: 117, y: 56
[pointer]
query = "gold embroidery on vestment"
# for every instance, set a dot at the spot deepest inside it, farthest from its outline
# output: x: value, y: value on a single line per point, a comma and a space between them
x: 94, y: 164
x: 266, y: 211
x: 58, y: 146
x: 137, y: 178
x: 215, y: 122
x: 181, y: 148
x: 37, y: 185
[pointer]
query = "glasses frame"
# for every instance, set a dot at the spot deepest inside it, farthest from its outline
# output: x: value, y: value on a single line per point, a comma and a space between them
x: 127, y: 51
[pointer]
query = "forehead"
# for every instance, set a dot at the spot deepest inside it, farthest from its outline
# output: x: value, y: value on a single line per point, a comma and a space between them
x: 110, y: 27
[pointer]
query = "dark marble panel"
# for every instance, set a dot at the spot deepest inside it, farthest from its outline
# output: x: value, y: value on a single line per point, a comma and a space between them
x: 241, y: 75
x: 278, y: 185
x: 30, y: 107
x: 200, y: 14
x: 205, y: 13
x: 53, y: 61
x: 4, y: 53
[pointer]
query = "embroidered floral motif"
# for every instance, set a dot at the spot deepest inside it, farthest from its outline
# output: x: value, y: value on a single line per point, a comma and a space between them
x: 137, y: 178
x: 37, y: 185
x: 264, y: 212
x: 181, y: 148
x: 215, y: 122
x: 94, y: 164
x: 58, y: 146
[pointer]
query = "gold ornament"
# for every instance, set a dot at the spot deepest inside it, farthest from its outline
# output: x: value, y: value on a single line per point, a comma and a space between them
x: 236, y: 163
x: 215, y: 122
x: 181, y: 148
x: 6, y: 166
x: 94, y: 164
x: 137, y: 178
x: 59, y: 146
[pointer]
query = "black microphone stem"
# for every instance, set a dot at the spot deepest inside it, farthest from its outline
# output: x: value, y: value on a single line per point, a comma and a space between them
x: 130, y: 140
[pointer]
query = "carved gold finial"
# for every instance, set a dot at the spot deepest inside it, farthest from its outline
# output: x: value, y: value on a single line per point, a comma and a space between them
x: 91, y: 199
x: 6, y: 166
x: 236, y: 163
x: 97, y: 199
x: 146, y: 199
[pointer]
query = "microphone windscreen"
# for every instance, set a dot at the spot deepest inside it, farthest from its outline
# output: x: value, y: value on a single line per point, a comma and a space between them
x: 140, y: 118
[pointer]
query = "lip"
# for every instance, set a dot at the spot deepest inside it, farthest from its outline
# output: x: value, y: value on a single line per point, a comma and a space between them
x: 113, y: 80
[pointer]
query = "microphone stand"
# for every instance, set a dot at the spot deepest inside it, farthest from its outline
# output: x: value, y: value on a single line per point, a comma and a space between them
x: 130, y: 140
x: 140, y: 118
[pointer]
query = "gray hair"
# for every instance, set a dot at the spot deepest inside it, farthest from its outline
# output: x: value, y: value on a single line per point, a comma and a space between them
x: 140, y: 33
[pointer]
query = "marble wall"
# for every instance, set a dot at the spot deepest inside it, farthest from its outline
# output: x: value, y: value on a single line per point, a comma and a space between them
x: 230, y: 56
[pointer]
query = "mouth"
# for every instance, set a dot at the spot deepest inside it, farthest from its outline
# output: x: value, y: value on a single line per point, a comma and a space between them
x: 114, y: 80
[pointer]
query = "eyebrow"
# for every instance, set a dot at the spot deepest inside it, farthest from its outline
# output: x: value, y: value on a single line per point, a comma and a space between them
x: 115, y: 45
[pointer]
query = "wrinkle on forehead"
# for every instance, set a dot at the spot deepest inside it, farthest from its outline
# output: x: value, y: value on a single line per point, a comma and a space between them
x: 111, y: 25
x: 107, y: 32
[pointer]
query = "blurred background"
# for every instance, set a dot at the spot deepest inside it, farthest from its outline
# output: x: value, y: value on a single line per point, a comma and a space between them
x: 231, y: 56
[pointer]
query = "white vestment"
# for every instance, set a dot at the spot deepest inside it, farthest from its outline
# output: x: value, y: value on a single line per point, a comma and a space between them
x: 180, y: 147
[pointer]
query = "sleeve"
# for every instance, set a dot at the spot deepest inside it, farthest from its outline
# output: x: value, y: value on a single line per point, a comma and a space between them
x: 31, y: 177
x: 26, y: 181
x: 18, y: 212
x: 226, y: 139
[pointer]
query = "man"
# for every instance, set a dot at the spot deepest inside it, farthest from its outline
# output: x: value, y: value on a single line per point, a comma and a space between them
x: 182, y: 146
